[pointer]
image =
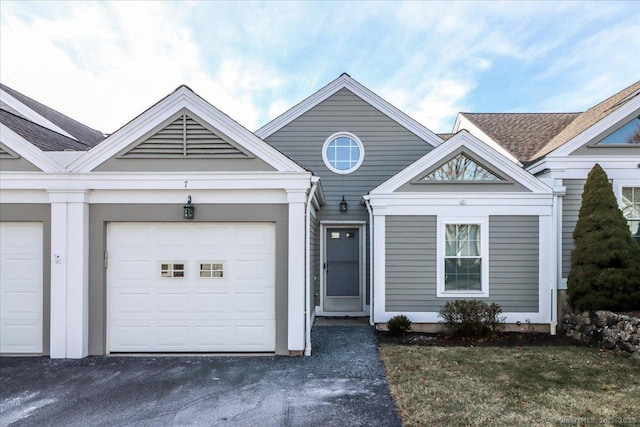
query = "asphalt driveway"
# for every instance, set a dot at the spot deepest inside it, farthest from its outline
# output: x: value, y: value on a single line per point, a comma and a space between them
x: 342, y: 384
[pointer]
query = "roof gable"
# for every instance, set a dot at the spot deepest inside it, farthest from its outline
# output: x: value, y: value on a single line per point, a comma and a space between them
x: 186, y: 136
x: 480, y: 152
x: 346, y: 82
x: 594, y: 122
x: 164, y: 113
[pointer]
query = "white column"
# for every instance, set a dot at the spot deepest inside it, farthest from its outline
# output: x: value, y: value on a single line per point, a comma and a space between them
x: 69, y: 274
x: 379, y: 264
x: 58, y: 316
x: 296, y: 200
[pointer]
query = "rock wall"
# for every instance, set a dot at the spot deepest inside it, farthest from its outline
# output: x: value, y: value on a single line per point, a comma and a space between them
x: 604, y: 329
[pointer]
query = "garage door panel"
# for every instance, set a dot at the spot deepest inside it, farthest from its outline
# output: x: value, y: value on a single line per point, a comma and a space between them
x: 172, y: 303
x: 193, y: 313
x: 20, y: 304
x: 26, y: 337
x: 21, y: 287
x: 212, y: 302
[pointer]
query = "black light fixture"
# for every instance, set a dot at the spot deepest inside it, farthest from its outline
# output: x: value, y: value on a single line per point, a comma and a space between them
x: 343, y: 205
x: 189, y: 209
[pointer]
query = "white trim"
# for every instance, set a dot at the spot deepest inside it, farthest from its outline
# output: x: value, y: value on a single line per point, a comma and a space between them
x: 31, y: 114
x: 296, y: 271
x: 361, y: 226
x: 346, y: 82
x: 28, y: 151
x: 182, y: 98
x: 483, y: 222
x: 597, y: 130
x: 475, y: 146
x: 327, y: 162
x: 379, y: 266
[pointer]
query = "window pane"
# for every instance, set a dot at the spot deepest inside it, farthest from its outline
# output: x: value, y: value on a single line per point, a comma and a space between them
x: 627, y: 134
x: 462, y: 274
x: 461, y: 168
x: 462, y: 240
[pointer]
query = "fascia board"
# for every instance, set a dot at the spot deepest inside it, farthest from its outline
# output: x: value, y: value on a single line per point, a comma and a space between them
x: 631, y: 108
x: 181, y: 98
x: 31, y: 115
x: 346, y: 82
x: 476, y: 146
x: 30, y: 152
x: 157, y: 181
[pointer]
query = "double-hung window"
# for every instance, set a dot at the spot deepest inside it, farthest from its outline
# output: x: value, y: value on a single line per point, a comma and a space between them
x: 462, y: 258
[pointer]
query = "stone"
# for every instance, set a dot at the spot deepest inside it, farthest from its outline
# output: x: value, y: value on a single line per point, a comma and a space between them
x: 609, y: 343
x: 635, y: 355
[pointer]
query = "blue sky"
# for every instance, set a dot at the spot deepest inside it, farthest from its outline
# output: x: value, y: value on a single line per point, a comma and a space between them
x: 104, y: 63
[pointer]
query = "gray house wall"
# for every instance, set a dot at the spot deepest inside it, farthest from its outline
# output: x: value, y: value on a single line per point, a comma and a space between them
x: 411, y: 262
x: 315, y: 261
x: 101, y: 215
x: 570, y: 209
x: 388, y: 146
x: 11, y: 212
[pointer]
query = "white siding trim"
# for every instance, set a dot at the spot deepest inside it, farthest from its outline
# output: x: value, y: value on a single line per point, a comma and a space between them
x: 28, y: 151
x: 296, y: 274
x: 475, y: 146
x: 379, y: 268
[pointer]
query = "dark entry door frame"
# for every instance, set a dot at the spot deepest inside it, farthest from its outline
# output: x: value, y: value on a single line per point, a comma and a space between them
x: 352, y: 306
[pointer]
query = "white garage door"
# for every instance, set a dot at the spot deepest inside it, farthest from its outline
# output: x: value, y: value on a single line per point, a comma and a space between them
x: 20, y: 287
x: 175, y: 287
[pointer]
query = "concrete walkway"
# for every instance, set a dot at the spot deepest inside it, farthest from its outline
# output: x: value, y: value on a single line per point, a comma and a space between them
x: 342, y: 384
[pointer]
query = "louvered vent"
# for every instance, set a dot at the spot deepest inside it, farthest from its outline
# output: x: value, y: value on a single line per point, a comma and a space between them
x: 185, y: 137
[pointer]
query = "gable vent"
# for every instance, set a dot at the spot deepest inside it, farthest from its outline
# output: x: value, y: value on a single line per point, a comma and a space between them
x: 185, y: 137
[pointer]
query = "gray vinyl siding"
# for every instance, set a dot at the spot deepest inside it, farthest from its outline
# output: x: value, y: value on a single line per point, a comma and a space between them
x: 388, y: 146
x: 411, y: 262
x: 570, y: 209
x: 514, y: 262
x: 315, y: 262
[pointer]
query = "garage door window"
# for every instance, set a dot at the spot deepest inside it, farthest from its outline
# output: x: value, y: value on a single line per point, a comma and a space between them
x: 211, y: 270
x: 172, y: 270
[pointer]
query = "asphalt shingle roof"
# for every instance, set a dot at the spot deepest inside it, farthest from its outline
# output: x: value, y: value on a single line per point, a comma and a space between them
x: 522, y: 134
x: 589, y: 118
x: 42, y: 137
x: 74, y: 128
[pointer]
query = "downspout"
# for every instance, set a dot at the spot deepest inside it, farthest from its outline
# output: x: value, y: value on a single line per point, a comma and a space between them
x: 555, y: 233
x: 307, y: 274
x: 371, y: 299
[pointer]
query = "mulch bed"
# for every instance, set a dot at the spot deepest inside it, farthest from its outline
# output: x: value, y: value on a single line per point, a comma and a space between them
x: 504, y: 339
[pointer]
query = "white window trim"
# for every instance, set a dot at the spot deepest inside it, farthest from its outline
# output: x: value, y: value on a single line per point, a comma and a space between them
x: 483, y: 222
x: 328, y: 163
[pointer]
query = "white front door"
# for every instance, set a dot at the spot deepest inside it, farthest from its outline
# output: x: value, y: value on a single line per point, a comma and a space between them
x: 21, y: 287
x: 176, y: 287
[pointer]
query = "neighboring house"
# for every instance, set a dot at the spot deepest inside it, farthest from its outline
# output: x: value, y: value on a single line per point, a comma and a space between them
x: 341, y: 206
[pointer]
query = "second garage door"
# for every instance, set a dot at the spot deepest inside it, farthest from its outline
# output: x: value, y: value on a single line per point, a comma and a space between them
x: 175, y: 287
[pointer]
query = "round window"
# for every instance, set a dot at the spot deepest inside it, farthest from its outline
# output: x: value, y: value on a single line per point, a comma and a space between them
x: 343, y: 152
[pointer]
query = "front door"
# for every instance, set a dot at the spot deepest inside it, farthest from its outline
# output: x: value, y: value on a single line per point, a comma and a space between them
x: 342, y: 290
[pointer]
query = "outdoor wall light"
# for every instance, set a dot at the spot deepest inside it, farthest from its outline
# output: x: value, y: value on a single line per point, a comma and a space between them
x: 343, y: 205
x: 189, y: 209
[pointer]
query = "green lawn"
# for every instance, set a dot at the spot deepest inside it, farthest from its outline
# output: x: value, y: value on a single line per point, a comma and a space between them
x: 436, y: 386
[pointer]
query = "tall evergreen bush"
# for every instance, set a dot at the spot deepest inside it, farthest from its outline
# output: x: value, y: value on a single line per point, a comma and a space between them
x: 605, y: 263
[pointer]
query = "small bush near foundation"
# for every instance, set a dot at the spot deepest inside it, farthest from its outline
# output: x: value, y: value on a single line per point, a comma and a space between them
x: 399, y: 325
x: 471, y: 318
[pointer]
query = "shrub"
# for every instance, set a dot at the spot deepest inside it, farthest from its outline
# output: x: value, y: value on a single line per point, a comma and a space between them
x: 399, y: 325
x: 472, y: 318
x: 605, y: 262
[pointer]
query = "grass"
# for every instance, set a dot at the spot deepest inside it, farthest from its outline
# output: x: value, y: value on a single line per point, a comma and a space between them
x: 466, y: 386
